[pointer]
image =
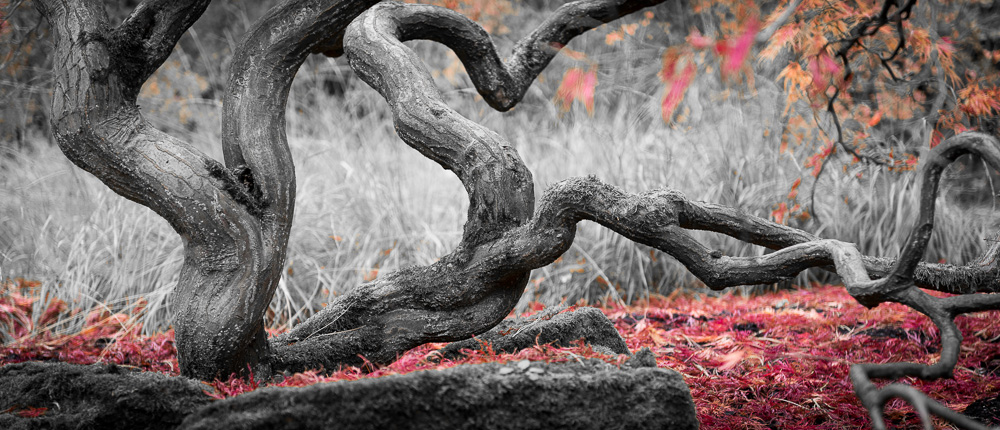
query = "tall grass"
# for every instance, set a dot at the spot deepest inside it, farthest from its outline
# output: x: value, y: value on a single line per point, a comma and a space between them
x: 367, y: 204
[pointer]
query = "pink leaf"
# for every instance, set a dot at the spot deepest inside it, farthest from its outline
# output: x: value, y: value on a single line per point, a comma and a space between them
x: 736, y: 51
x: 675, y: 93
x: 577, y: 85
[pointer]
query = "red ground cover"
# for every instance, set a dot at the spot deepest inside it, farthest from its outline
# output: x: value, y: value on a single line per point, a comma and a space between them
x: 778, y: 360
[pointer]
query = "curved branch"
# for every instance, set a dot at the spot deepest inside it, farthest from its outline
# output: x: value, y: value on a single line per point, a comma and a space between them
x: 470, y: 290
x: 979, y: 276
x: 656, y: 219
x: 500, y: 188
x: 940, y: 157
x: 234, y: 220
x: 98, y: 73
x: 219, y: 328
x: 898, y: 287
x: 147, y: 37
x: 503, y: 84
x: 476, y: 285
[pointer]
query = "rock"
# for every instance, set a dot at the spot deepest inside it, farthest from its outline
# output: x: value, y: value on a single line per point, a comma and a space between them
x: 642, y: 358
x: 99, y: 396
x: 985, y: 410
x: 550, y: 326
x: 589, y: 394
x: 516, y: 395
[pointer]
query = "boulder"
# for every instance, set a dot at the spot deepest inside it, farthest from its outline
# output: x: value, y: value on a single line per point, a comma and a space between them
x: 99, y: 396
x: 547, y: 327
x: 516, y: 395
x: 985, y: 410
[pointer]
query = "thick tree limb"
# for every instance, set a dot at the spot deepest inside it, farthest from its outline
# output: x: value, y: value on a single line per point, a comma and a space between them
x: 234, y: 221
x: 899, y: 287
x: 981, y: 275
x: 655, y: 219
x: 503, y: 84
x: 99, y: 128
x: 470, y: 290
x: 147, y: 37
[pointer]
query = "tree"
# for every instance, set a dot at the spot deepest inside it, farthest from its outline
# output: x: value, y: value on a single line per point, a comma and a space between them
x: 234, y: 218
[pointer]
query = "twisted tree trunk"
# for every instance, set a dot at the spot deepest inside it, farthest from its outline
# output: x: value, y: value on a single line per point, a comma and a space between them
x: 234, y: 219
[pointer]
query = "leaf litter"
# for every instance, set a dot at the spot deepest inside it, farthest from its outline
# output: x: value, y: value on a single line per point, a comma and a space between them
x: 777, y: 360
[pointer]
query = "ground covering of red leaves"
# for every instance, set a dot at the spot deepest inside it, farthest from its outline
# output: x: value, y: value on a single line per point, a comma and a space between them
x: 778, y: 360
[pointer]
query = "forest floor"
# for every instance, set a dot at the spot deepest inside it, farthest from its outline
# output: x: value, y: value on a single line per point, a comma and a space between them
x: 778, y: 360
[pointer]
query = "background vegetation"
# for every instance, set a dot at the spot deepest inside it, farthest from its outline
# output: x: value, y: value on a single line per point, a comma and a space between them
x: 367, y: 203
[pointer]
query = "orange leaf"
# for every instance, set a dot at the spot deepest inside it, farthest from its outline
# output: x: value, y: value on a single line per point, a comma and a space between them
x: 795, y: 189
x: 875, y: 119
x: 780, y: 213
x: 658, y: 337
x: 613, y: 37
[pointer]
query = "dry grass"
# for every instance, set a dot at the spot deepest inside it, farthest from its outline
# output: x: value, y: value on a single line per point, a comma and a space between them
x: 368, y: 203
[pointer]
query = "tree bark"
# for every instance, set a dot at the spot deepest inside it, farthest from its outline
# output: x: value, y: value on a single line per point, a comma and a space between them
x: 485, y: 269
x: 234, y: 219
x: 99, y: 71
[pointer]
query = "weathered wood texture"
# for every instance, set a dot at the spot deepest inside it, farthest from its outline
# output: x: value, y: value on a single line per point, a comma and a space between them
x: 99, y: 71
x: 474, y: 287
x: 235, y: 219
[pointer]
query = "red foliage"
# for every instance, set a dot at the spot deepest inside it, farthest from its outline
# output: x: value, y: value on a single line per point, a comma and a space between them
x: 735, y: 52
x: 106, y: 337
x: 678, y: 86
x: 26, y: 412
x: 577, y: 84
x: 775, y: 361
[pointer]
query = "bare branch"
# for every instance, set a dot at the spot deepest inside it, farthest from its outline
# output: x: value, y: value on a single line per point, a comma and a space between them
x: 503, y: 84
x: 769, y: 31
x: 144, y: 40
x: 866, y: 27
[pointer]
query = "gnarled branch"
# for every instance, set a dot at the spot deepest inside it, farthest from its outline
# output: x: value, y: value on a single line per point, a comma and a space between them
x: 400, y: 310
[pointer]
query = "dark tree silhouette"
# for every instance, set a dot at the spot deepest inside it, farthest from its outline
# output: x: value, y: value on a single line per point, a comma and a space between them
x: 234, y: 218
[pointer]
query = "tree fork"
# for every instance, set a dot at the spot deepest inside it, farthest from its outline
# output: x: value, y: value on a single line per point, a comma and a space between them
x: 472, y: 289
x: 98, y: 127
